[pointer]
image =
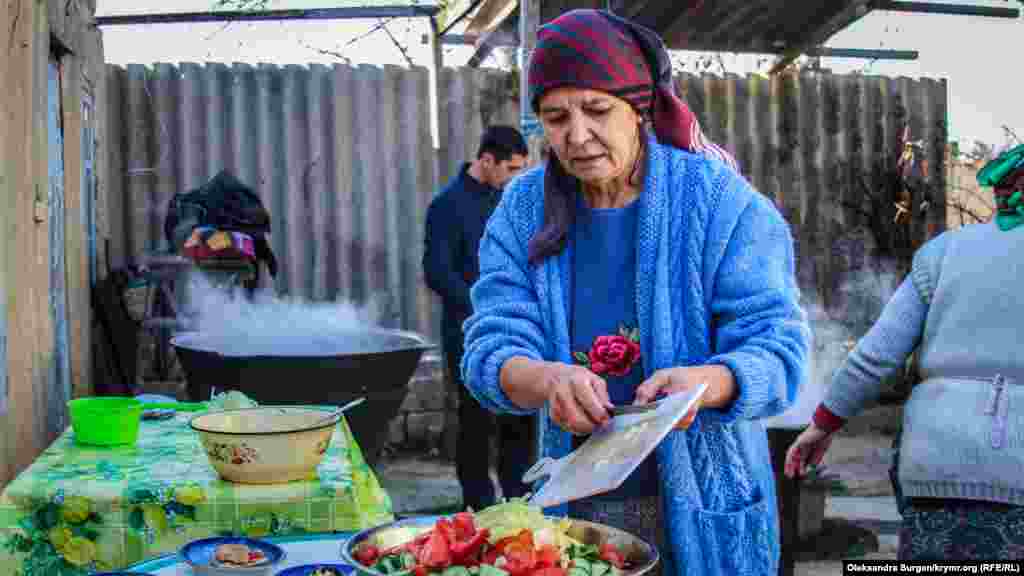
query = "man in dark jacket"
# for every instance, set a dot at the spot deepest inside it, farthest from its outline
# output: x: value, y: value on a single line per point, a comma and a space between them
x: 455, y: 223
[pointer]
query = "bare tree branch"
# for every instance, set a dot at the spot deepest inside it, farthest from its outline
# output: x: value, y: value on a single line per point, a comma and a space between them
x: 1009, y: 132
x: 964, y: 210
x: 401, y: 48
x: 326, y: 52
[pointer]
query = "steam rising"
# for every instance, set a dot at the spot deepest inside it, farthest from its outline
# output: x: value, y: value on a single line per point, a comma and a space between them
x: 271, y: 325
x: 859, y: 302
x: 266, y: 324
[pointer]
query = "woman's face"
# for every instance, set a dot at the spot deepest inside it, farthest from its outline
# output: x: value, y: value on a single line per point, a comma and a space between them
x: 594, y: 135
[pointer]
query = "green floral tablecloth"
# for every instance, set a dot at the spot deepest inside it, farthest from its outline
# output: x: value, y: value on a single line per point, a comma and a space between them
x: 78, y: 510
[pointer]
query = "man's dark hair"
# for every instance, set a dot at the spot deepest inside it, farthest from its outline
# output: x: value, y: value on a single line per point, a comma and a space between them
x: 502, y: 142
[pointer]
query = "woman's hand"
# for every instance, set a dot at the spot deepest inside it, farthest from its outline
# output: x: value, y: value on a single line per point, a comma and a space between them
x: 578, y: 398
x: 808, y: 448
x: 720, y: 391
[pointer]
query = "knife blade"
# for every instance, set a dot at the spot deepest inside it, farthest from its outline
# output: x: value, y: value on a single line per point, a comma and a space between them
x: 623, y: 409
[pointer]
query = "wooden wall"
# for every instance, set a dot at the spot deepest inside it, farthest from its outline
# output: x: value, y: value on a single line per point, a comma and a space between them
x: 32, y: 405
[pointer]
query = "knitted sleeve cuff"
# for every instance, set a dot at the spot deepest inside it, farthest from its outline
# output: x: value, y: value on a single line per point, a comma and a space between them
x: 827, y: 420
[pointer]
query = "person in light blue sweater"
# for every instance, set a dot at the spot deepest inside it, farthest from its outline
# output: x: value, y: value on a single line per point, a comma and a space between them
x: 638, y: 262
x: 959, y: 469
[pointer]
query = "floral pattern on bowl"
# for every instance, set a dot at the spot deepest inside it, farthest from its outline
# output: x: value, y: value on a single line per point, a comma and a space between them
x: 236, y: 454
x: 321, y: 446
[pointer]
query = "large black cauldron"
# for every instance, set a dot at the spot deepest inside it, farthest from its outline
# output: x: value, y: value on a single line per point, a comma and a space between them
x: 376, y: 363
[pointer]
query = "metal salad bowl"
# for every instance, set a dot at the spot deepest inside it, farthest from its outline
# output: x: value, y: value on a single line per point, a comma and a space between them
x: 640, y: 556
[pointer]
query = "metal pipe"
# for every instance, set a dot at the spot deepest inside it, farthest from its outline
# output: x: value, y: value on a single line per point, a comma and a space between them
x: 948, y: 9
x: 863, y: 53
x: 504, y: 41
x: 344, y: 13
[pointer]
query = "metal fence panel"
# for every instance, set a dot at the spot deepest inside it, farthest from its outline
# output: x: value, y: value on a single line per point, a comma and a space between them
x: 343, y: 159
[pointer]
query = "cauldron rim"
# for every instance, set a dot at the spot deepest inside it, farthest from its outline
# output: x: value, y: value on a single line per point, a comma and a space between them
x: 416, y: 341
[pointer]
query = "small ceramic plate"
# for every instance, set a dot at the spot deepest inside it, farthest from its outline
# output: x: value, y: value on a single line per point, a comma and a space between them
x: 311, y: 570
x: 199, y: 554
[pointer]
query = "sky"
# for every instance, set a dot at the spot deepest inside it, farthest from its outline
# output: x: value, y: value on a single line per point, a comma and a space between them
x: 964, y: 50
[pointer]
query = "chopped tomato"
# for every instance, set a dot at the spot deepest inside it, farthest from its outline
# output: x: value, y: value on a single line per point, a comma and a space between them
x: 500, y: 544
x: 367, y: 555
x: 464, y: 526
x: 549, y: 571
x: 490, y: 556
x: 519, y: 558
x: 466, y: 549
x: 611, y: 555
x: 548, y: 556
x: 445, y: 526
x: 436, y: 552
x: 420, y: 570
x: 523, y: 539
x: 519, y: 564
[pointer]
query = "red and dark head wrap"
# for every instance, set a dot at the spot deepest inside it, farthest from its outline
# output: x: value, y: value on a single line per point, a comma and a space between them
x: 598, y: 50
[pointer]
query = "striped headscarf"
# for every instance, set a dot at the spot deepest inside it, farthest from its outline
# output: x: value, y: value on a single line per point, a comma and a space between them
x: 1005, y: 175
x: 598, y: 50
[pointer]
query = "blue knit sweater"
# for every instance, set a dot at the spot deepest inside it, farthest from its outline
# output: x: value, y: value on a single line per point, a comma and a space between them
x: 715, y: 284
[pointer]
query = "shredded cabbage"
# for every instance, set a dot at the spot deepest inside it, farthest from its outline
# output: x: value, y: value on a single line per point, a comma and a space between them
x: 231, y: 400
x: 511, y: 517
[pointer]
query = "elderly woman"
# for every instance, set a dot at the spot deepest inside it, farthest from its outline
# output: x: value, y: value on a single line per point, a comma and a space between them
x: 959, y: 471
x: 633, y: 265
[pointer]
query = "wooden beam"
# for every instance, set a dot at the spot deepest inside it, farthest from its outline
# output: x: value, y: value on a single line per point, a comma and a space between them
x: 343, y: 13
x: 854, y: 11
x: 504, y: 35
x: 489, y: 17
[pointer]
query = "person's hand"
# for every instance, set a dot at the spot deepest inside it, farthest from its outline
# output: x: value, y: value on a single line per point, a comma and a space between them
x: 808, y: 449
x: 578, y: 398
x: 681, y: 379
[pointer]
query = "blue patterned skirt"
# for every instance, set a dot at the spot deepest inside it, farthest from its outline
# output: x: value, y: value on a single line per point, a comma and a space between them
x: 961, y: 530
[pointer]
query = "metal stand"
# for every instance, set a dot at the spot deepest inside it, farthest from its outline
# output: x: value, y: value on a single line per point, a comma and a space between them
x: 164, y: 314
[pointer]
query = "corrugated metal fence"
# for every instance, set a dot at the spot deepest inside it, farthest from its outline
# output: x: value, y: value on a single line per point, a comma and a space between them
x: 343, y: 159
x: 823, y: 145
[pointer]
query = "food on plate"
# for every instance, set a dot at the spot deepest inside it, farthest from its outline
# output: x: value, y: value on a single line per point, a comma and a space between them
x: 238, y: 555
x: 508, y: 539
x: 325, y: 571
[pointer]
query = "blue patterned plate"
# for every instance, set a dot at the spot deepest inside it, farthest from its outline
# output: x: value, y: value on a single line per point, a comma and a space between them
x: 310, y: 570
x: 199, y: 554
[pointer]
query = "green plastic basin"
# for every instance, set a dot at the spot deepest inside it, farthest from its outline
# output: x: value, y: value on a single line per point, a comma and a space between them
x: 106, y: 420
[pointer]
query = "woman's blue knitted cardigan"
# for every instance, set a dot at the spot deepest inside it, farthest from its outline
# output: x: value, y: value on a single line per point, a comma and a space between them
x: 715, y: 285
